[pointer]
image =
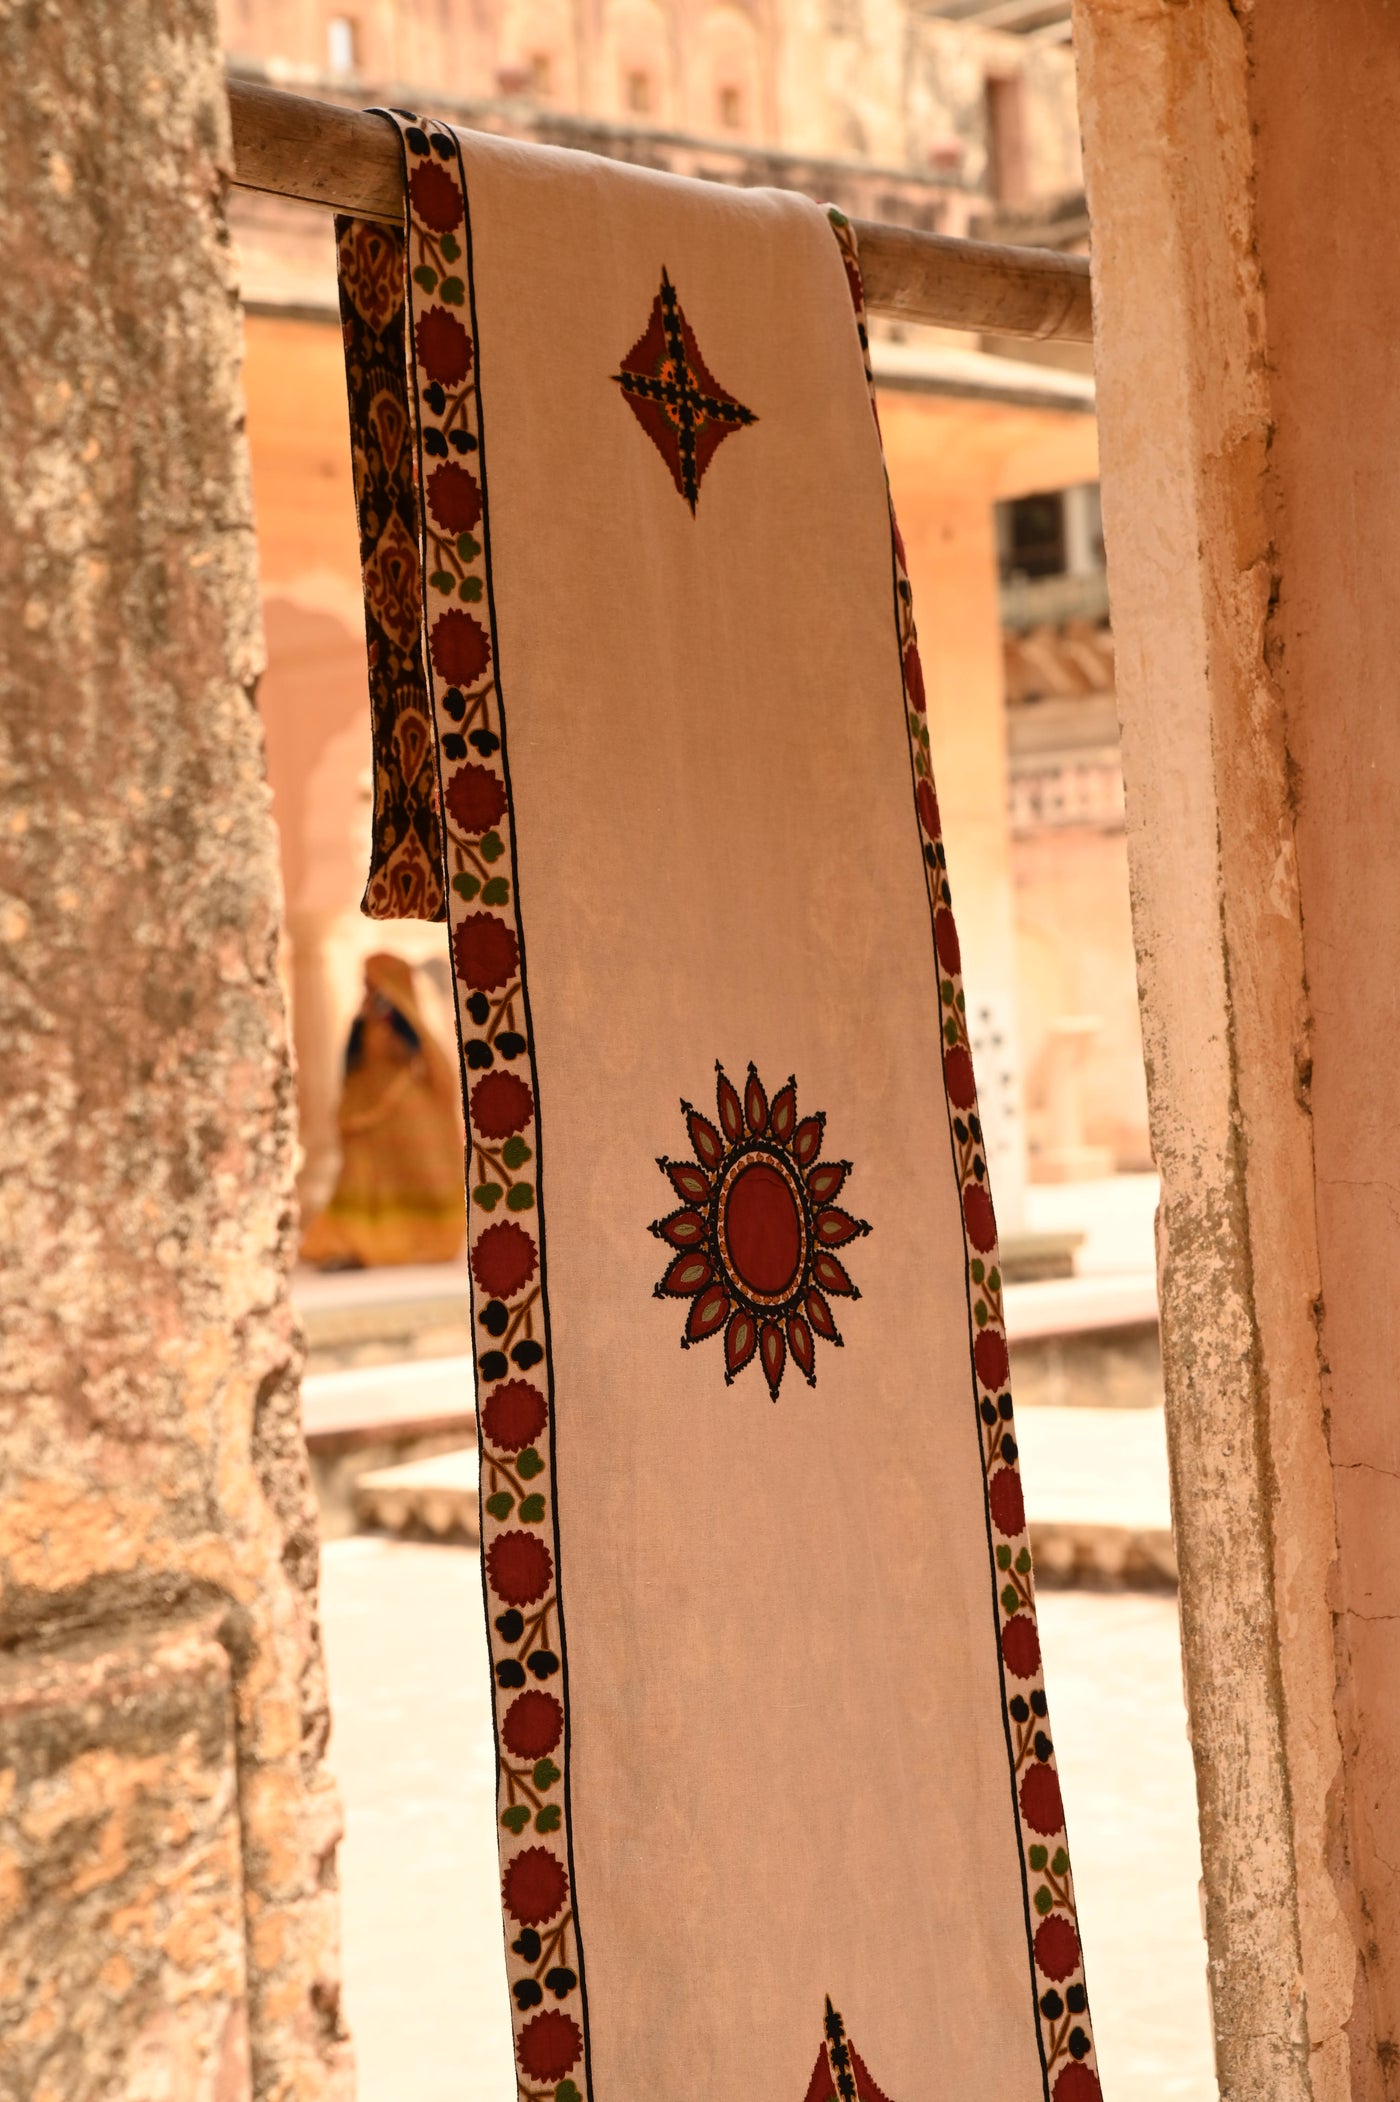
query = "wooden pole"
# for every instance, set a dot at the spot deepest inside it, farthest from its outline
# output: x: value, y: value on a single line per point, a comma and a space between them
x: 322, y: 153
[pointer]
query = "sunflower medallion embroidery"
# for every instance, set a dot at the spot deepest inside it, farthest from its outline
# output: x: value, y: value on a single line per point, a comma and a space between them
x: 756, y: 1230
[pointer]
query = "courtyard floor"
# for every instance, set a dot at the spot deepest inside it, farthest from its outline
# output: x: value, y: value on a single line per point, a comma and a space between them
x: 424, y: 1976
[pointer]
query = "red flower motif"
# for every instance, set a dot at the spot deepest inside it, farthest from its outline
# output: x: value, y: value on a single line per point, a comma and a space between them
x: 981, y: 1220
x: 532, y: 1725
x: 1020, y: 1646
x: 453, y: 497
x: 1008, y: 1505
x: 928, y: 810
x: 502, y: 1104
x: 486, y: 952
x: 504, y: 1260
x: 1077, y: 2083
x: 444, y: 347
x: 757, y: 1231
x: 549, y: 2046
x: 957, y: 1072
x: 514, y: 1415
x: 436, y: 199
x: 1057, y: 1947
x: 535, y: 1886
x: 1041, y: 1806
x: 989, y: 1354
x: 476, y: 798
x: 459, y: 645
x: 914, y: 682
x: 945, y: 936
x: 519, y: 1567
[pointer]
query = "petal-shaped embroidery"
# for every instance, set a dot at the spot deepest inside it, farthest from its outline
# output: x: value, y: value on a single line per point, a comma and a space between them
x: 689, y: 1184
x: 807, y: 1139
x: 820, y: 1316
x: 802, y: 1347
x: 740, y: 1341
x: 707, y: 1314
x: 835, y: 1227
x: 831, y: 1277
x: 731, y: 1116
x: 684, y: 1229
x: 782, y: 1117
x: 773, y: 1356
x: 756, y: 1105
x: 687, y: 1275
x: 709, y: 1146
x: 826, y: 1179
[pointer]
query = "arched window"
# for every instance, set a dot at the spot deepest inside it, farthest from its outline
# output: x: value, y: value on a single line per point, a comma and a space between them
x: 637, y: 71
x: 728, y: 78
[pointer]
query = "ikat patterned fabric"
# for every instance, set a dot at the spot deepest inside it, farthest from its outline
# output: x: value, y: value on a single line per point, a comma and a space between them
x: 772, y: 1735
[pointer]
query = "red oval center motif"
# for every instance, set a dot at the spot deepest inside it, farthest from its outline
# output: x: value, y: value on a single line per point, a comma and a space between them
x: 763, y: 1230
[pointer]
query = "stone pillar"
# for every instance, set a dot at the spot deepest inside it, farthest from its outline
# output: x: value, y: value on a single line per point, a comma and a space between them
x: 1243, y: 164
x: 167, y: 1826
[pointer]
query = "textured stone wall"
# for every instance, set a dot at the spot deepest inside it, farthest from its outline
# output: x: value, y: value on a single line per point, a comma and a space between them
x: 167, y: 1826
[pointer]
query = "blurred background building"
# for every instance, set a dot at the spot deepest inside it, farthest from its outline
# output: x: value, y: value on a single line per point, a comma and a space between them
x: 957, y: 118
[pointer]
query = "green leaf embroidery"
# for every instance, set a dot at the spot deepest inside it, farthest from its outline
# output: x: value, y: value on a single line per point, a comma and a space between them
x: 546, y: 1774
x: 950, y: 1031
x: 978, y: 1270
x: 425, y: 276
x: 994, y: 1281
x: 567, y: 2092
x: 442, y: 580
x: 469, y: 588
x: 529, y: 1464
x: 549, y: 1819
x: 487, y: 1195
x: 452, y: 290
x: 532, y: 1509
x: 1037, y: 1857
x: 520, y: 1197
x: 449, y: 248
x: 491, y: 848
x: 1010, y: 1598
x: 1043, y: 1900
x: 468, y: 548
x: 979, y: 1314
x: 466, y: 886
x: 1003, y: 1559
x: 495, y: 891
x: 1023, y: 1562
x: 1060, y: 1862
x: 516, y: 1818
x: 501, y: 1504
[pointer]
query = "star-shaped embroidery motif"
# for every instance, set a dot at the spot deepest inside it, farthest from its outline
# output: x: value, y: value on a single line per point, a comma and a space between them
x: 675, y: 397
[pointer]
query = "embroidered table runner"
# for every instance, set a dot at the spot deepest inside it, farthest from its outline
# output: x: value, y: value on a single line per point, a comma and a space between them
x: 779, y: 1816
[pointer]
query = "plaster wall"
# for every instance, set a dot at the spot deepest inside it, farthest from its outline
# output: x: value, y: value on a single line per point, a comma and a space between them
x: 1242, y: 170
x: 1325, y: 101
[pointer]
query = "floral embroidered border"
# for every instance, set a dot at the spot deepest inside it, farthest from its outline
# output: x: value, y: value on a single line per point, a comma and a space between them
x: 519, y: 1520
x: 1057, y: 1966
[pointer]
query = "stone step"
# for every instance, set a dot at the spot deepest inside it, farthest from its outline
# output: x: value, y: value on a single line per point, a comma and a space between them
x: 1095, y: 1484
x: 432, y: 1499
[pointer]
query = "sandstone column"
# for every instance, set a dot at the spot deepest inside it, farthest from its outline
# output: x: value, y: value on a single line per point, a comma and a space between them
x: 167, y: 1826
x: 1243, y: 164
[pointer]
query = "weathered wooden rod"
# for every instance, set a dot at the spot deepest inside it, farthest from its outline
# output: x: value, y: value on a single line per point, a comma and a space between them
x: 324, y: 154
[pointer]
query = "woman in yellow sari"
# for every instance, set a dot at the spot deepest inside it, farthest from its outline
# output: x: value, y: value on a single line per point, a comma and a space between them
x: 399, y: 1198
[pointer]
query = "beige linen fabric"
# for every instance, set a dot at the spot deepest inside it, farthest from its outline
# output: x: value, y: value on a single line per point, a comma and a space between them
x: 789, y: 1770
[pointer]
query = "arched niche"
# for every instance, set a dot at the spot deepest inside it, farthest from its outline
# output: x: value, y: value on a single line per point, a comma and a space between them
x: 637, y: 69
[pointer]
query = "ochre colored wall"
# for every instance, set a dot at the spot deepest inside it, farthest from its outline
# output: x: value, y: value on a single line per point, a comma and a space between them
x: 1325, y: 96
